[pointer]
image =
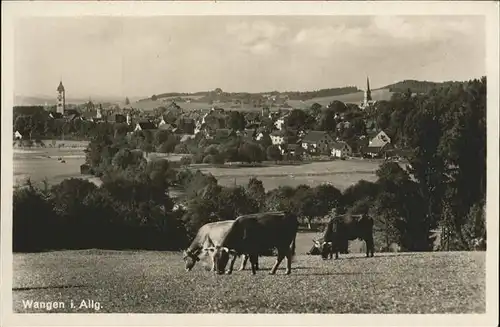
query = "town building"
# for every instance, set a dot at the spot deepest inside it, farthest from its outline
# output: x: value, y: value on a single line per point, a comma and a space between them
x: 317, y: 141
x: 341, y: 150
x: 277, y: 137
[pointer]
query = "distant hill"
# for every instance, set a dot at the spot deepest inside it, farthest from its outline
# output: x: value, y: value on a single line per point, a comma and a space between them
x: 20, y: 100
x: 417, y: 86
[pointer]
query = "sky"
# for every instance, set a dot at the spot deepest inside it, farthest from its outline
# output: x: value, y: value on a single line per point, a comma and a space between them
x: 141, y: 56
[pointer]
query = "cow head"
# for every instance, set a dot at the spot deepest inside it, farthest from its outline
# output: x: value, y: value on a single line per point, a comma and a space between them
x: 190, y: 259
x: 221, y: 257
x: 324, y: 248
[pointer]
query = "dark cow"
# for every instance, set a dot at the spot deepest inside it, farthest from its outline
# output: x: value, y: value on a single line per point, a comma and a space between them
x: 343, y: 228
x: 209, y: 235
x: 255, y: 233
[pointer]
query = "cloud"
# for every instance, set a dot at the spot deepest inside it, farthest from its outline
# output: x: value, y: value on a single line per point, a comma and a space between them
x: 416, y: 28
x: 259, y: 37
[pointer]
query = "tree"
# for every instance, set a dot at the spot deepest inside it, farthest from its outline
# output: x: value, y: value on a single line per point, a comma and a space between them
x: 236, y: 121
x: 326, y: 120
x: 256, y: 191
x: 297, y: 119
x: 169, y: 145
x: 123, y: 159
x: 337, y: 106
x: 250, y: 152
x: 154, y: 97
x: 161, y: 136
x: 273, y: 153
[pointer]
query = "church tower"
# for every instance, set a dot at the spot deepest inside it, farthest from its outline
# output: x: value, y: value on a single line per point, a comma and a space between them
x: 368, y: 92
x: 61, y: 98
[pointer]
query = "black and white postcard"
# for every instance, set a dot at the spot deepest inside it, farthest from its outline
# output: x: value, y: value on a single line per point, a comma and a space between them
x: 250, y: 163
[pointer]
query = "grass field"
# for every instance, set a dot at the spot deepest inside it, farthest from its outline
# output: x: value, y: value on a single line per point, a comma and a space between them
x: 155, y: 282
x: 38, y: 164
x: 341, y: 173
x: 378, y: 95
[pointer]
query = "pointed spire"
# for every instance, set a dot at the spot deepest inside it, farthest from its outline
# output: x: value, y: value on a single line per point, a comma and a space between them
x: 60, y: 88
x: 368, y: 92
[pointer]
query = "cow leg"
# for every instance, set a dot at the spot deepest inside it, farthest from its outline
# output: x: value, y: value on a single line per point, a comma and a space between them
x: 243, y: 262
x: 289, y: 263
x: 278, y: 261
x: 231, y: 265
x: 369, y: 246
x: 257, y: 263
x: 253, y: 262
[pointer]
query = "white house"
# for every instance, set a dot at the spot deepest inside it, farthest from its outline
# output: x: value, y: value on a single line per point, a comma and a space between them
x: 144, y: 125
x: 17, y: 135
x: 380, y: 140
x: 280, y: 122
x: 317, y: 140
x: 277, y: 138
x: 341, y: 150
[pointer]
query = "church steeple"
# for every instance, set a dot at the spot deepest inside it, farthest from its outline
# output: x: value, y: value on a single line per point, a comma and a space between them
x: 61, y: 98
x: 368, y: 91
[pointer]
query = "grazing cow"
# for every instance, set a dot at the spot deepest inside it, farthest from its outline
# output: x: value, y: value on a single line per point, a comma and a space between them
x: 209, y: 235
x: 255, y: 233
x: 341, y: 229
x: 344, y: 249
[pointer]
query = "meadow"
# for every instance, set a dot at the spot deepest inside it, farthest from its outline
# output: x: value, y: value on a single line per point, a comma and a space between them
x: 155, y: 282
x: 340, y: 173
x: 43, y: 163
x: 356, y: 98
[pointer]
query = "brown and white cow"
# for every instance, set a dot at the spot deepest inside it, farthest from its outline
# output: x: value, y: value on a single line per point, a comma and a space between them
x: 255, y: 233
x: 209, y: 235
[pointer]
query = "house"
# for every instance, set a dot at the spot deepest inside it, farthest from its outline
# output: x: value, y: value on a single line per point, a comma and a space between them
x: 293, y: 149
x: 377, y: 151
x: 166, y: 126
x: 56, y: 115
x: 280, y: 122
x: 317, y: 141
x: 379, y: 140
x: 247, y: 133
x: 120, y: 119
x: 186, y: 137
x: 217, y: 110
x: 260, y: 135
x: 341, y: 150
x: 17, y: 136
x: 144, y: 125
x: 277, y: 137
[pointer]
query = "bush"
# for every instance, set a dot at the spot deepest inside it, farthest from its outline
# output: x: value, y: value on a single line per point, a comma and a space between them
x: 185, y: 161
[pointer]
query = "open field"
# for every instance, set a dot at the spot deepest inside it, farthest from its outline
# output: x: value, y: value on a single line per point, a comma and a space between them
x: 155, y: 282
x: 341, y: 173
x: 42, y: 163
x: 378, y: 95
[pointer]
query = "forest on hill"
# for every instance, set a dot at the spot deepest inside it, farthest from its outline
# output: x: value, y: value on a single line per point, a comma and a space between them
x: 417, y: 86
